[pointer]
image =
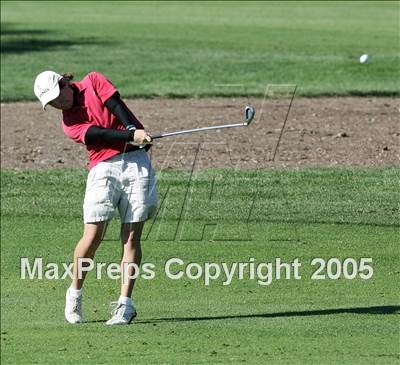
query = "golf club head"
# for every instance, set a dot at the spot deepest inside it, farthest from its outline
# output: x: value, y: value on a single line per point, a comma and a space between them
x: 249, y: 113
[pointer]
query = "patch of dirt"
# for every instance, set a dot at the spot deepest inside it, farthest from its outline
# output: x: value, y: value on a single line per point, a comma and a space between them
x: 319, y: 132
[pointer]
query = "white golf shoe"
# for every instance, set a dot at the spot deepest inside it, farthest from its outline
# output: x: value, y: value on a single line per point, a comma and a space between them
x: 122, y: 314
x: 73, y: 308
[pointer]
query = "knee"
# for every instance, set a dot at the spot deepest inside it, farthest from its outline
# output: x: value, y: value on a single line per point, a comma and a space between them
x: 132, y: 242
x: 92, y: 240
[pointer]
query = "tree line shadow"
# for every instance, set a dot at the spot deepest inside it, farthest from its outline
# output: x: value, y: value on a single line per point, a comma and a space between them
x: 19, y: 41
x: 376, y: 310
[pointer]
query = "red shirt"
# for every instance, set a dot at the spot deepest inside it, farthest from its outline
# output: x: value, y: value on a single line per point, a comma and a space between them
x: 93, y: 92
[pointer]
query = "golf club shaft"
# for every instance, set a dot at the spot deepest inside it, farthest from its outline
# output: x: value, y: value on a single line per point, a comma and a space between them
x: 188, y: 131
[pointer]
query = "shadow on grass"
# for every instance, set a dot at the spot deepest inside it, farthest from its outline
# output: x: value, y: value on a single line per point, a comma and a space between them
x: 388, y: 309
x: 35, y: 40
x: 36, y: 45
x: 21, y: 32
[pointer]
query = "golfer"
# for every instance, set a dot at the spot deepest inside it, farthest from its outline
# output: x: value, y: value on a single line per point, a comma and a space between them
x: 120, y: 176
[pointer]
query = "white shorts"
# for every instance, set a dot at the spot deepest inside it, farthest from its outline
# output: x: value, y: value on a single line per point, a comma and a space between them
x: 126, y: 182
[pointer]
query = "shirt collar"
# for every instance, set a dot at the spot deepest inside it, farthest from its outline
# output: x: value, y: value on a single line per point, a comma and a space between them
x: 78, y: 89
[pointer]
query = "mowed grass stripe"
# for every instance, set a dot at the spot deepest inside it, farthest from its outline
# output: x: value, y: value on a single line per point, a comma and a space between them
x: 189, y: 48
x: 306, y: 196
x: 184, y: 321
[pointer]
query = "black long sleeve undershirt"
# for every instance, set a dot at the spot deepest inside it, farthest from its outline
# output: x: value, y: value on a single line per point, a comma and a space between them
x: 95, y: 134
x: 117, y: 107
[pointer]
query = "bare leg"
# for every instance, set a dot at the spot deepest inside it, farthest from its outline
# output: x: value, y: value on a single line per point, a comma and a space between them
x: 131, y: 253
x: 86, y: 248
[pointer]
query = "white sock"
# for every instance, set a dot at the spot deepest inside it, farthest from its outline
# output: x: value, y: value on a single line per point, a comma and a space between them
x: 76, y: 293
x: 125, y: 300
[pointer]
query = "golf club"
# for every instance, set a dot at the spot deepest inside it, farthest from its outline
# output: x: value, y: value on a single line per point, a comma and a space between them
x: 249, y: 113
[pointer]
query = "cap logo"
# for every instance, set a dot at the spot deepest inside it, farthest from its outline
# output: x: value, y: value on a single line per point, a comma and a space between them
x: 44, y: 91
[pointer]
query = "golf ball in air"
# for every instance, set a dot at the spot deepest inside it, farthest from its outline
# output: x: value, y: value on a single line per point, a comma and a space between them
x: 364, y: 58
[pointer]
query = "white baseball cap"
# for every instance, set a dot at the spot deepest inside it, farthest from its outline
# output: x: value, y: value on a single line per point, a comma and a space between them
x: 46, y: 86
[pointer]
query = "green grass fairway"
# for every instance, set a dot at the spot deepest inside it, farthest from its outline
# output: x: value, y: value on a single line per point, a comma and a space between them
x: 189, y: 48
x: 327, y: 213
